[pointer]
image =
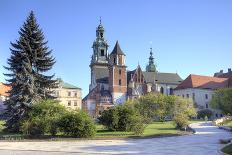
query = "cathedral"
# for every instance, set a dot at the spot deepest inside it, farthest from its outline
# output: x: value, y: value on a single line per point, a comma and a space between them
x: 112, y: 83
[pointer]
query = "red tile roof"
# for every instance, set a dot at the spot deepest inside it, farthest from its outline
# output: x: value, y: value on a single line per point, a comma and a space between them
x: 204, y: 82
x: 4, y: 89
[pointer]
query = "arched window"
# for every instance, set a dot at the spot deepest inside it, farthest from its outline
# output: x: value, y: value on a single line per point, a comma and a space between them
x: 161, y: 90
x: 102, y: 88
x: 171, y: 91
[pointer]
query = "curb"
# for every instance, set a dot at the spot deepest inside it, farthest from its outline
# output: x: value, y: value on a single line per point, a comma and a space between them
x: 220, y: 150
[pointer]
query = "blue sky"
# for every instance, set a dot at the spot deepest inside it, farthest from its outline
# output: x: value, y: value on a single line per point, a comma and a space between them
x: 188, y: 36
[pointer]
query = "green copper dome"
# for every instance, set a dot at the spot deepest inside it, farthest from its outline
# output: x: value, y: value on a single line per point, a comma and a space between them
x: 151, y: 67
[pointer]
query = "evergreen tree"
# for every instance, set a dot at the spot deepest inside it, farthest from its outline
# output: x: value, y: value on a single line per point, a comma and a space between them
x: 30, y: 59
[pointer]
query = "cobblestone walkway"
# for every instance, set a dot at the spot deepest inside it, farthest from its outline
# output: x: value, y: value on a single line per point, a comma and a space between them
x: 204, y: 142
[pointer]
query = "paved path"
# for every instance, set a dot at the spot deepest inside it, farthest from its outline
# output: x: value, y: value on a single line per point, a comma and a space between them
x: 204, y: 142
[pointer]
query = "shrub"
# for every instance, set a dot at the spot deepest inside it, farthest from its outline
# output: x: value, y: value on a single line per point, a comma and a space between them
x: 43, y: 118
x: 77, y: 124
x: 181, y: 121
x: 123, y: 118
x: 204, y: 113
x: 33, y: 127
x: 110, y: 118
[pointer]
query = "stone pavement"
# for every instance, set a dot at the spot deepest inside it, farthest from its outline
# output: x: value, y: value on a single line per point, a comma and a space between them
x: 204, y: 142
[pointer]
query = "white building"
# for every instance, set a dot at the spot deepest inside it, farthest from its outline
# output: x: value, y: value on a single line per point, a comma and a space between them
x: 200, y: 89
x: 68, y: 95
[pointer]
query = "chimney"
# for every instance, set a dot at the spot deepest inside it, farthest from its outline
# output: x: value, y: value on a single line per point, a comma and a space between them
x: 229, y: 70
x: 221, y: 71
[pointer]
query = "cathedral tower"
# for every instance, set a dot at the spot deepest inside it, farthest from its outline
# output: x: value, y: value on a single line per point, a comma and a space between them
x: 151, y: 66
x: 118, y: 75
x: 99, y: 61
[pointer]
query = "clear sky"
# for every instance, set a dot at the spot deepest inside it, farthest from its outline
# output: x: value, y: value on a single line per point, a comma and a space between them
x: 188, y: 36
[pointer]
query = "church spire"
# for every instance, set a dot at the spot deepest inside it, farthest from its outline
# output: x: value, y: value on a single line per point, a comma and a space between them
x: 151, y: 58
x: 151, y: 67
x: 100, y: 46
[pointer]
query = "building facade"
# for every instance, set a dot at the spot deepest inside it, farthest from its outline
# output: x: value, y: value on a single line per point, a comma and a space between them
x: 112, y: 83
x: 3, y: 97
x: 201, y: 89
x: 68, y: 95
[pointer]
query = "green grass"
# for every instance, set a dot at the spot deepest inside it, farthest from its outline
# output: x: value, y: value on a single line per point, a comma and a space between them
x: 152, y: 130
x: 2, y: 126
x: 227, y: 149
x: 229, y: 124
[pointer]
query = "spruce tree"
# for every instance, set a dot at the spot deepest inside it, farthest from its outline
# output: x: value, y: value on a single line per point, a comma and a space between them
x: 29, y: 61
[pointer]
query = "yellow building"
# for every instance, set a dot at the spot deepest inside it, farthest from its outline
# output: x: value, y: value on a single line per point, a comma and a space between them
x: 68, y: 95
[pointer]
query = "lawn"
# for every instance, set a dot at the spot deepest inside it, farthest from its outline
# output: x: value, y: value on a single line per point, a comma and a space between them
x: 155, y: 129
x: 227, y: 149
x: 152, y: 130
x: 229, y: 124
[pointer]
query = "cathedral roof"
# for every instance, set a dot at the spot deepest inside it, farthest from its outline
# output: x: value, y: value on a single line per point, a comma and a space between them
x: 157, y: 77
x: 117, y: 50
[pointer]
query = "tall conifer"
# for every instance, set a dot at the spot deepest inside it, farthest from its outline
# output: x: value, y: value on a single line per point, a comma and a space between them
x: 29, y: 61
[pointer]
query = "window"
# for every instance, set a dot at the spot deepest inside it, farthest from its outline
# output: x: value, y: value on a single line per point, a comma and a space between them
x: 75, y: 94
x: 101, y: 34
x: 102, y: 53
x: 69, y: 103
x: 114, y: 60
x: 206, y: 106
x: 161, y: 90
x: 57, y: 94
x: 171, y: 91
x: 187, y: 95
x: 69, y: 93
x: 120, y: 82
x: 216, y: 115
x: 75, y: 103
x: 120, y: 71
x: 206, y: 96
x: 193, y: 96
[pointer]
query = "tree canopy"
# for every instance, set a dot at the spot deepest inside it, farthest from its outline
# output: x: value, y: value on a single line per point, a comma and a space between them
x: 222, y: 99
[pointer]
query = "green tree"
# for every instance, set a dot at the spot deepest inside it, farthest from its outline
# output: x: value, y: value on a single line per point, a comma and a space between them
x: 183, y: 110
x: 154, y: 106
x: 222, y: 99
x: 30, y: 59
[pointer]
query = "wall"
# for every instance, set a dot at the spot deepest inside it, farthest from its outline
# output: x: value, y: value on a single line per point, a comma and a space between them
x: 62, y: 95
x: 166, y: 87
x: 200, y: 98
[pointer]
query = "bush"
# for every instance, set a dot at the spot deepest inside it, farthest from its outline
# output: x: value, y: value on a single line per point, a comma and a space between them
x: 181, y: 121
x: 77, y: 124
x: 204, y: 113
x: 33, y: 127
x: 123, y: 118
x: 43, y: 118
